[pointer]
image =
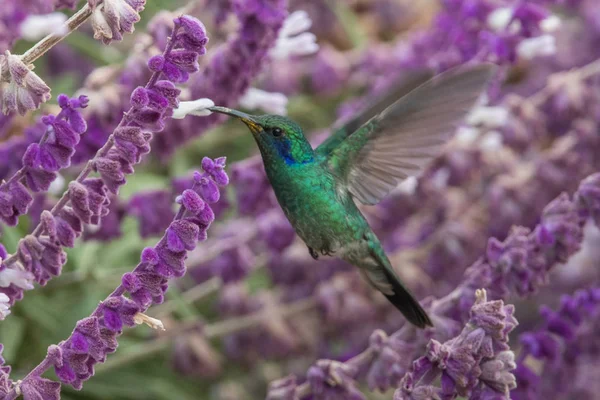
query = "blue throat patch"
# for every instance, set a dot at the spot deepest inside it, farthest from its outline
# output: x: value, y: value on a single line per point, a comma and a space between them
x: 284, y: 147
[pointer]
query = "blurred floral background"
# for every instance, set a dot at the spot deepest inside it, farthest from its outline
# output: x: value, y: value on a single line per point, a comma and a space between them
x: 512, y: 206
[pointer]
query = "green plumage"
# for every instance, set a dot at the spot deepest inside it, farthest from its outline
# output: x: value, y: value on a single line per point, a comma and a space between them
x: 363, y: 160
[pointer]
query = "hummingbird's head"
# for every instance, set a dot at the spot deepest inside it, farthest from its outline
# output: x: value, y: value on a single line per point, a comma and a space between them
x: 278, y: 137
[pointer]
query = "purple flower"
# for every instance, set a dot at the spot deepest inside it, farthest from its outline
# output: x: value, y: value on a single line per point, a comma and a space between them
x: 276, y: 231
x: 330, y: 71
x: 112, y: 18
x: 562, y: 346
x: 391, y: 362
x: 42, y: 160
x: 477, y: 362
x: 22, y: 90
x: 333, y: 380
x: 94, y: 337
x: 231, y: 69
x: 154, y: 210
x: 253, y: 192
x: 86, y: 201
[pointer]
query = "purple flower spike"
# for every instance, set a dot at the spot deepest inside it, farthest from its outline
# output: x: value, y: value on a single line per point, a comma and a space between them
x: 40, y: 255
x: 476, y: 364
x: 96, y: 336
x: 562, y: 347
x: 61, y: 133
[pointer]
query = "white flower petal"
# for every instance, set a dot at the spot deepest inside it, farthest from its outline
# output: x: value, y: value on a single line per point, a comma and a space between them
x: 17, y: 277
x: 297, y: 22
x: 488, y: 116
x: 195, y: 107
x: 499, y: 19
x: 530, y: 48
x: 153, y: 323
x: 466, y: 135
x: 35, y: 27
x: 492, y: 141
x: 57, y: 186
x: 272, y: 103
x: 4, y: 306
x: 550, y: 24
x: 293, y: 39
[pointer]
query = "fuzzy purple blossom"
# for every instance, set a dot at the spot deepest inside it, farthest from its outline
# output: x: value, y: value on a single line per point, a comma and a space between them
x: 232, y: 67
x: 21, y: 89
x: 42, y: 160
x: 563, y: 345
x: 476, y: 363
x: 96, y: 336
x: 112, y: 18
x: 86, y: 200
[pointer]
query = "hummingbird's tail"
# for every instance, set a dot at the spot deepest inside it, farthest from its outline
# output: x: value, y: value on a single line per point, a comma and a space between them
x: 404, y: 301
x: 381, y: 275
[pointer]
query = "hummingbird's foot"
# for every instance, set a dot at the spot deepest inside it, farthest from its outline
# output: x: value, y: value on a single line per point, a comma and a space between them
x: 327, y: 253
x: 313, y: 253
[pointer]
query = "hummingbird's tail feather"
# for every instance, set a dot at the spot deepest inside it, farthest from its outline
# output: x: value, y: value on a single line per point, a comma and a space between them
x: 404, y: 301
x: 383, y: 278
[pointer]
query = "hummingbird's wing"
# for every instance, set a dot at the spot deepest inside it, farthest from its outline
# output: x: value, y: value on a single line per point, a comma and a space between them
x: 404, y: 85
x: 400, y: 141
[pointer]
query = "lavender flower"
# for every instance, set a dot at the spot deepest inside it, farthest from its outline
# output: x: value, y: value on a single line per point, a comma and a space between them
x: 42, y: 160
x: 477, y: 362
x: 232, y: 67
x: 333, y: 380
x: 86, y: 200
x: 561, y: 344
x: 95, y: 337
x: 153, y: 210
x: 112, y: 18
x: 21, y: 89
x: 517, y: 161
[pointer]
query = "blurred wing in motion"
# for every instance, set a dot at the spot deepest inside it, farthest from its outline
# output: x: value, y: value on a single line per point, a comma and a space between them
x: 401, y: 140
x: 400, y: 88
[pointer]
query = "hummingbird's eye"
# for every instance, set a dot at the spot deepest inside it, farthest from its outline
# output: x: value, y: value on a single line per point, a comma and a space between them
x: 276, y: 132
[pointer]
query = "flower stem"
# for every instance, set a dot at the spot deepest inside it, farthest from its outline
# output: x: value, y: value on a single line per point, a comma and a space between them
x: 102, y: 152
x: 212, y: 331
x: 41, y: 47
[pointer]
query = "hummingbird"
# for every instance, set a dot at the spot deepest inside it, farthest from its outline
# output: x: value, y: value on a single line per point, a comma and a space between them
x: 364, y: 159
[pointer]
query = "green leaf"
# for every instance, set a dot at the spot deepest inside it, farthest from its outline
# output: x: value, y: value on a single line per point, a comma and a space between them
x: 38, y: 309
x: 12, y: 333
x: 258, y: 279
x: 11, y: 236
x: 142, y: 181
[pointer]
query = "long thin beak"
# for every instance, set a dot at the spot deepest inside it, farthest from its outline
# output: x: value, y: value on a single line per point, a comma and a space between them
x: 245, y: 118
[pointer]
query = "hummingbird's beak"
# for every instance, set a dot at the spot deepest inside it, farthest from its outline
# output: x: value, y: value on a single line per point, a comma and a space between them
x: 245, y: 118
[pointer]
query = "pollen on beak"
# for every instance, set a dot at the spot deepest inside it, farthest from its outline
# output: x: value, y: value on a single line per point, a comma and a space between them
x: 254, y: 126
